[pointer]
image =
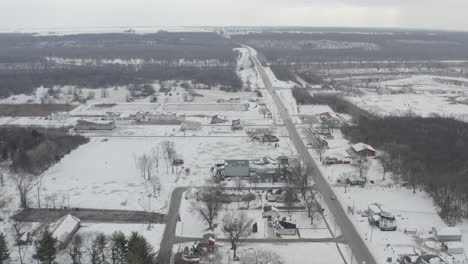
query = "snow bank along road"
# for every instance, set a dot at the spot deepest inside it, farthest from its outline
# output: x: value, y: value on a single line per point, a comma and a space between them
x: 349, y: 232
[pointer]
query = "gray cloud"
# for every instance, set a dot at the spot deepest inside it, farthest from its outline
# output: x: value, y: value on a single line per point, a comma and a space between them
x: 447, y: 14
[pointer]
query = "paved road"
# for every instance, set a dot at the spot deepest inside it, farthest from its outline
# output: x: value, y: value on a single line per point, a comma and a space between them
x: 349, y: 232
x: 264, y: 240
x: 168, y: 239
x: 89, y: 215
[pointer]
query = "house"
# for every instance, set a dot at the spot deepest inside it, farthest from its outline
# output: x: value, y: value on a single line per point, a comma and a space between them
x: 217, y: 120
x: 236, y: 125
x: 285, y: 228
x: 266, y: 170
x: 453, y: 247
x: 330, y: 119
x: 159, y: 117
x: 447, y: 234
x: 236, y: 168
x: 95, y: 124
x: 363, y: 150
x: 64, y: 229
x: 270, y: 212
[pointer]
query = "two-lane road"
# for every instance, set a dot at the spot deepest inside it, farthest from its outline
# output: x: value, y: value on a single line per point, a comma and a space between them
x: 349, y: 232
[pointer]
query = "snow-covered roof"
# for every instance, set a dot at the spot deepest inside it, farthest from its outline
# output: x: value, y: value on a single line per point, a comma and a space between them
x: 96, y: 121
x: 362, y: 146
x: 454, y: 245
x: 448, y: 231
x: 65, y: 226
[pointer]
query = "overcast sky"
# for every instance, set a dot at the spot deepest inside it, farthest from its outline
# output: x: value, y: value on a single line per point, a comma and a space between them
x: 435, y: 14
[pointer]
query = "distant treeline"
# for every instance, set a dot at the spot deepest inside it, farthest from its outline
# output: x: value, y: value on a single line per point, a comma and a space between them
x: 316, y: 47
x: 33, y: 109
x: 24, y: 67
x: 25, y: 81
x: 160, y: 46
x: 427, y: 152
x: 35, y: 150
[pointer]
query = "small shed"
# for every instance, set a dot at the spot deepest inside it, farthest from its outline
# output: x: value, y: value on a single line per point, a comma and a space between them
x: 236, y: 168
x: 285, y: 228
x: 363, y: 149
x: 453, y: 247
x: 447, y: 234
x: 64, y: 229
x: 270, y: 212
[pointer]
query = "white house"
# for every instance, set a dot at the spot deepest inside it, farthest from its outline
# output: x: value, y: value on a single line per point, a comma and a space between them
x: 64, y: 229
x: 447, y: 234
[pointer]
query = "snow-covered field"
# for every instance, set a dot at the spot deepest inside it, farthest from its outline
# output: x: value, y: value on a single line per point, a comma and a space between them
x: 105, y: 171
x: 421, y: 95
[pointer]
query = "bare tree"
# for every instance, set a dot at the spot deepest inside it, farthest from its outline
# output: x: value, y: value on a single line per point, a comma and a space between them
x: 290, y: 198
x: 22, y: 251
x: 24, y: 184
x: 237, y: 227
x: 261, y: 257
x: 156, y: 157
x: 169, y: 153
x: 75, y: 249
x: 311, y: 204
x: 263, y: 111
x: 91, y: 248
x: 144, y: 164
x: 38, y: 184
x: 239, y: 184
x: 2, y: 179
x: 362, y: 166
x: 156, y: 185
x: 208, y: 206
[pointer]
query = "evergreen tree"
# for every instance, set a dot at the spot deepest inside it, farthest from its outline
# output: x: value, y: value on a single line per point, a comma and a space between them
x: 101, y: 246
x: 119, y: 248
x: 139, y: 250
x: 46, y: 248
x: 4, y: 253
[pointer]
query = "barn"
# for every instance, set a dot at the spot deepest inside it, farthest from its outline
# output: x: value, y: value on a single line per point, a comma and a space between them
x: 363, y: 149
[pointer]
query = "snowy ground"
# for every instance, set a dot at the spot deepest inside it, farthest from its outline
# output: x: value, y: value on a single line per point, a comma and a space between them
x: 421, y: 95
x: 192, y: 225
x: 246, y: 70
x: 292, y: 253
x: 105, y: 171
x: 412, y: 210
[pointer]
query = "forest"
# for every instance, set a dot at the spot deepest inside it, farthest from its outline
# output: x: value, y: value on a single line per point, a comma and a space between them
x: 35, y: 150
x: 22, y: 81
x: 337, y: 46
x: 28, y: 61
x: 430, y: 153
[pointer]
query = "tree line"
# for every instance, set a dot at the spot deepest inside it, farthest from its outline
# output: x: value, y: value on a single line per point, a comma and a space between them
x: 18, y: 81
x: 88, y: 248
x: 429, y: 153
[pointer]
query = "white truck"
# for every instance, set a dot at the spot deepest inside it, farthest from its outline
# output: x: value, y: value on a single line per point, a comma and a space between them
x: 380, y: 218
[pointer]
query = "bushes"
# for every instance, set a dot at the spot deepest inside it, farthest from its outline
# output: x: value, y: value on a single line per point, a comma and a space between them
x: 303, y: 96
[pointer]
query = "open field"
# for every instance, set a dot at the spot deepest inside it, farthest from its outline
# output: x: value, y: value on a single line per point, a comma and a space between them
x: 106, y: 171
